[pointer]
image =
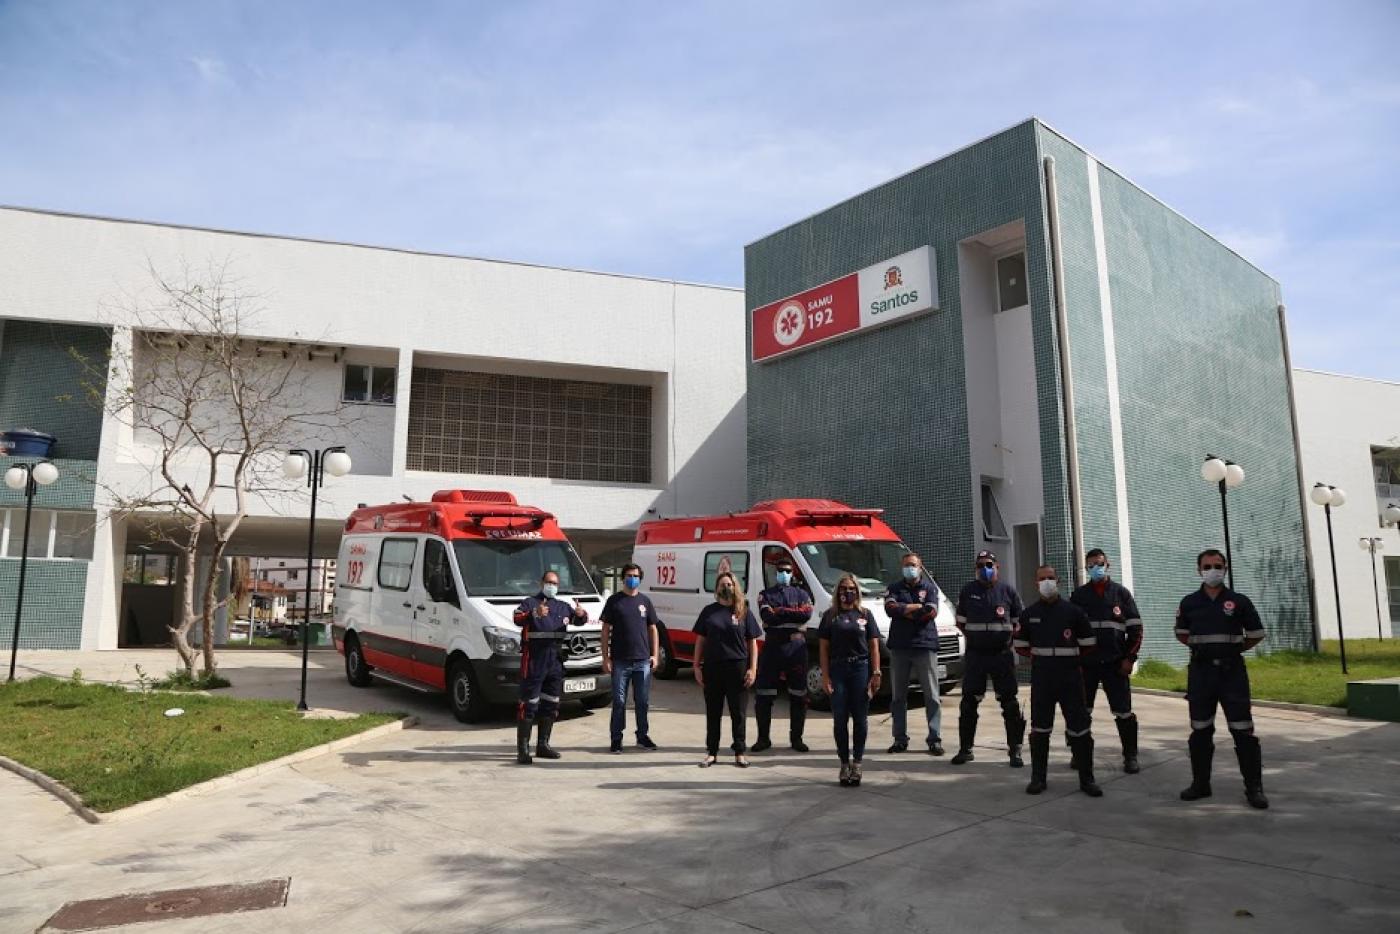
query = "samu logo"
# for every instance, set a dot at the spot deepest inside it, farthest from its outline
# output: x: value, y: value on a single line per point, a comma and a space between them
x: 789, y: 323
x: 893, y: 277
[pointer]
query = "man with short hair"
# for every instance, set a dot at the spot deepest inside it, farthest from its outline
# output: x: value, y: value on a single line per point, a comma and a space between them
x: 784, y: 609
x: 1219, y: 625
x: 1054, y: 634
x: 631, y: 645
x: 544, y: 621
x: 1117, y: 623
x: 987, y: 613
x: 912, y: 605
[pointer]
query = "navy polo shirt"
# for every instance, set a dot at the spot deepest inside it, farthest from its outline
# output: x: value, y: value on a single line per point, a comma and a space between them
x: 849, y: 633
x: 907, y: 632
x: 630, y: 618
x: 726, y: 635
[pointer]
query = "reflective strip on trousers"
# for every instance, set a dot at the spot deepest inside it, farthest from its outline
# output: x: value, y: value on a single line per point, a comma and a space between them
x: 1077, y: 733
x: 549, y: 697
x: 1123, y: 714
x: 1041, y: 729
x: 1215, y: 640
x: 1202, y: 724
x: 801, y: 693
x: 767, y: 692
x: 1240, y: 724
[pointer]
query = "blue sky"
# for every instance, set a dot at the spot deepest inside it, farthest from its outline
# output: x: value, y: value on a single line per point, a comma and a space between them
x: 657, y: 139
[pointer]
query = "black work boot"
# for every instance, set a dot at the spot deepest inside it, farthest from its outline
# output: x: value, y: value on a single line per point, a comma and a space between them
x: 1015, y: 733
x: 542, y: 748
x: 1251, y: 769
x: 1202, y: 747
x: 1128, y: 736
x: 967, y: 732
x: 1085, y: 750
x: 522, y: 742
x: 763, y: 713
x: 1040, y: 762
x: 796, y: 725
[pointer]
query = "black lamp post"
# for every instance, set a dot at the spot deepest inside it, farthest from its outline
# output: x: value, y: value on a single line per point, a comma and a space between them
x: 1228, y: 475
x: 333, y: 461
x: 26, y: 477
x: 1328, y: 496
x: 1374, y: 544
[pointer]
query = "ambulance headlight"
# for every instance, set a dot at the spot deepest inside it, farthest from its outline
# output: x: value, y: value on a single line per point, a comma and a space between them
x: 503, y: 641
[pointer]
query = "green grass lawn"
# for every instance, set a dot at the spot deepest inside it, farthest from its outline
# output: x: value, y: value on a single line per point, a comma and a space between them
x: 116, y: 747
x: 1298, y: 677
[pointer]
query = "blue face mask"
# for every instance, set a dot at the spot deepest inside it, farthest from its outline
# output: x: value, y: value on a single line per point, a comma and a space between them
x: 550, y: 590
x: 784, y: 578
x: 987, y: 574
x: 1098, y: 572
x: 910, y: 572
x: 632, y: 582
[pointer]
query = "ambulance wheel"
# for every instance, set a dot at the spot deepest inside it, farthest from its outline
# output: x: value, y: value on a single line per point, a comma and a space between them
x: 666, y: 659
x: 464, y: 694
x: 817, y: 698
x: 356, y: 668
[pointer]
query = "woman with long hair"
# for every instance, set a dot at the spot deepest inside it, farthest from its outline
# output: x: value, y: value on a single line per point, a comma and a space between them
x: 726, y: 661
x: 850, y: 660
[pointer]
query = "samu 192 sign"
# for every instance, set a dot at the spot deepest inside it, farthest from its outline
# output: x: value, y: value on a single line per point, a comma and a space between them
x: 875, y: 295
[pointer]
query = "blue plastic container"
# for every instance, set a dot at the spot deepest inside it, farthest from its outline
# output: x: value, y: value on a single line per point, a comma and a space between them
x: 26, y: 442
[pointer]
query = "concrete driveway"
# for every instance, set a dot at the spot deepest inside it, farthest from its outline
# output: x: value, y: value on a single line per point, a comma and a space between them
x: 435, y: 829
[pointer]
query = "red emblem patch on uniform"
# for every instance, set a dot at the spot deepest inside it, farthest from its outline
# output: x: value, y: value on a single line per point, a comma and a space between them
x: 1229, y: 607
x: 1068, y: 634
x: 1117, y: 611
x: 923, y: 595
x: 1001, y: 611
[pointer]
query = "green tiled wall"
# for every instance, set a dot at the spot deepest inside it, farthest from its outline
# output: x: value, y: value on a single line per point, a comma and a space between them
x: 53, y: 604
x: 1201, y: 371
x: 42, y: 382
x: 855, y: 420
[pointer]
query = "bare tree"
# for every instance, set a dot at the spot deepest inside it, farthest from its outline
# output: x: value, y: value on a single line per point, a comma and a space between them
x: 211, y: 408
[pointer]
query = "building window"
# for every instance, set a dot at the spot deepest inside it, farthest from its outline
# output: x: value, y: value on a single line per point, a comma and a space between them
x: 58, y: 534
x: 369, y: 384
x: 1386, y: 463
x: 527, y: 426
x: 993, y: 525
x: 291, y: 575
x: 1011, y: 282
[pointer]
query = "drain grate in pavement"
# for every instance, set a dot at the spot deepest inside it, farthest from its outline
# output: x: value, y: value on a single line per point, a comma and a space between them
x: 93, y: 914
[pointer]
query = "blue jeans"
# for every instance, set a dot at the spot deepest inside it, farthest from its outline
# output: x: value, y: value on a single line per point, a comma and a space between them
x: 923, y: 665
x: 850, y: 683
x: 637, y: 674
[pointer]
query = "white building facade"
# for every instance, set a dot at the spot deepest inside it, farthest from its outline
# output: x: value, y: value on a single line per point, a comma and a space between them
x: 1350, y: 435
x: 604, y: 399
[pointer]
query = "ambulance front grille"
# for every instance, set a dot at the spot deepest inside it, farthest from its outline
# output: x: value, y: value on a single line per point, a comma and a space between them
x: 948, y: 647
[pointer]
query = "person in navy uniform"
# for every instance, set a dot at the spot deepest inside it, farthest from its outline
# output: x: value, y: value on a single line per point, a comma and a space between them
x: 1219, y: 625
x: 784, y: 609
x: 850, y: 660
x: 1055, y: 635
x: 987, y: 613
x: 1114, y: 615
x: 912, y: 606
x: 726, y: 663
x: 544, y: 621
x: 631, y: 645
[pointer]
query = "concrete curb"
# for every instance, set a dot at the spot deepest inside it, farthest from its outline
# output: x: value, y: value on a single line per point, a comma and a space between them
x: 71, y: 798
x: 1340, y: 712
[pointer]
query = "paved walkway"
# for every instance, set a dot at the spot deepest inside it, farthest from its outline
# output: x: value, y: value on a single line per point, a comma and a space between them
x: 434, y: 829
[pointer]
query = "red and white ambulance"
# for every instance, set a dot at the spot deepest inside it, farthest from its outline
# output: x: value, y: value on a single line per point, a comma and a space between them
x: 425, y: 593
x: 824, y: 539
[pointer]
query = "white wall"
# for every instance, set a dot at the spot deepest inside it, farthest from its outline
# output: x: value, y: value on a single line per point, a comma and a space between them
x: 1339, y: 419
x: 385, y: 305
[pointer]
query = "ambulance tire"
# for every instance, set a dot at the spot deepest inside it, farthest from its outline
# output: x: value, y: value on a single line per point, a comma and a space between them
x: 464, y: 695
x: 356, y: 668
x: 817, y: 698
x: 666, y: 660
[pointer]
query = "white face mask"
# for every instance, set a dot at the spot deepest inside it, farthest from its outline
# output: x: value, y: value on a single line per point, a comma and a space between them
x: 550, y: 590
x: 1213, y: 577
x: 1048, y: 588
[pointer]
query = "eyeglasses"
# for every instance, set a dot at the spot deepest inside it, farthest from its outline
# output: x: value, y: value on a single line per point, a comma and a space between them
x: 987, y: 564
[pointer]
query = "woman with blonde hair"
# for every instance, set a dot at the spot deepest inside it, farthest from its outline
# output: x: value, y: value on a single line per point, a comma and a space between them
x: 726, y: 661
x: 850, y: 660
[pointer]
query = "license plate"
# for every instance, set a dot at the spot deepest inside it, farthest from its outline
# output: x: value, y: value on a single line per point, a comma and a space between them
x: 579, y: 685
x: 942, y: 672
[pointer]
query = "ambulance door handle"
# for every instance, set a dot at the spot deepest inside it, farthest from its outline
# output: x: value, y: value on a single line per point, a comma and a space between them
x: 420, y: 607
x: 407, y: 605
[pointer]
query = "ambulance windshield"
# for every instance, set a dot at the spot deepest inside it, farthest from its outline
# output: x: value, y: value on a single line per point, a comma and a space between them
x: 514, y: 568
x: 875, y: 564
